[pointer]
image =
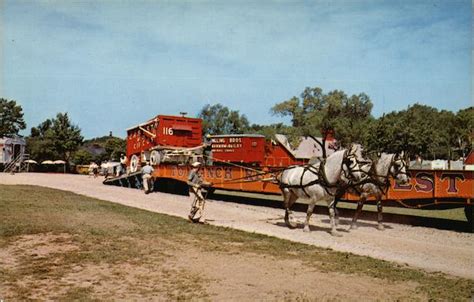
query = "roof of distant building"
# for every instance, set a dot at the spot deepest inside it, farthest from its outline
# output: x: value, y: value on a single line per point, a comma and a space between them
x: 16, y: 140
x: 307, y: 147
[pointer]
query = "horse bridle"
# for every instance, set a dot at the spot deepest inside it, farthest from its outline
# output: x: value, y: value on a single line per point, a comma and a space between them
x: 399, y: 168
x: 347, y: 161
x: 385, y: 184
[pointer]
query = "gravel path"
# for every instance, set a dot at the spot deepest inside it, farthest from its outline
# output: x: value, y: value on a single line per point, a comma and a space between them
x: 431, y: 249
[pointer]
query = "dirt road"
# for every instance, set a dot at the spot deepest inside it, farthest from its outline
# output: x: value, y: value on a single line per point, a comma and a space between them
x: 431, y: 249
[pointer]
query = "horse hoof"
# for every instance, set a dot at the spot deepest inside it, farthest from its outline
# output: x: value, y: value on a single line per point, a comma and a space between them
x: 380, y: 227
x: 336, y: 222
x: 336, y: 234
x: 306, y: 229
x: 353, y: 227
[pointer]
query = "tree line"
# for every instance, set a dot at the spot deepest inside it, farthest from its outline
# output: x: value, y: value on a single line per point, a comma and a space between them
x: 418, y: 130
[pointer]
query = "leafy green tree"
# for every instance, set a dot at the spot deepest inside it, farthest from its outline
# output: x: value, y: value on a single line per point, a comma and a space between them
x: 65, y: 136
x: 418, y: 130
x: 100, y: 149
x: 315, y: 113
x: 82, y: 157
x: 42, y: 128
x: 269, y: 131
x: 55, y: 138
x: 464, y: 130
x: 114, y: 147
x: 39, y: 144
x: 11, y: 118
x: 218, y: 119
x: 444, y: 139
x: 354, y: 120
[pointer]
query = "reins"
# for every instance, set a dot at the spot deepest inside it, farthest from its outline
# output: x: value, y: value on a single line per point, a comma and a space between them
x: 248, y: 178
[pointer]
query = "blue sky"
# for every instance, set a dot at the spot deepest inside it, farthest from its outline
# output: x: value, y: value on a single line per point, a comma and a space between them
x: 114, y: 64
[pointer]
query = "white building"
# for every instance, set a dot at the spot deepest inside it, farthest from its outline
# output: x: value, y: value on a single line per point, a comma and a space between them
x: 11, y: 148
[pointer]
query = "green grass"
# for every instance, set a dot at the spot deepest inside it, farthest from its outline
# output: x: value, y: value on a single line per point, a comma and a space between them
x: 111, y: 234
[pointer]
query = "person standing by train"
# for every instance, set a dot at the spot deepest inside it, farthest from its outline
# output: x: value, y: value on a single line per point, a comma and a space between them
x: 195, y: 183
x: 147, y: 177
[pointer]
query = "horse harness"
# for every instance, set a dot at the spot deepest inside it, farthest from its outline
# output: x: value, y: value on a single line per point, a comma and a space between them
x: 373, y: 178
x: 321, y: 178
x: 385, y: 184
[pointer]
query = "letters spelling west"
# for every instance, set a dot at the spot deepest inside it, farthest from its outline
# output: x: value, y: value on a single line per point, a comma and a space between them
x: 424, y: 182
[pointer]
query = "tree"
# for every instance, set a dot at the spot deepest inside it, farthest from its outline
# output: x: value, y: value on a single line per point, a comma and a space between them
x: 114, y: 147
x: 409, y: 130
x: 39, y: 144
x: 464, y: 130
x: 82, y: 157
x: 100, y: 149
x: 269, y: 131
x: 42, y: 128
x: 445, y: 135
x: 54, y: 138
x: 11, y: 118
x: 218, y: 119
x: 317, y: 114
x: 351, y: 126
x: 65, y: 136
x: 418, y: 130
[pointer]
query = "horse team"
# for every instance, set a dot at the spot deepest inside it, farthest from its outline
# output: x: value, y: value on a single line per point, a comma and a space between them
x: 342, y: 171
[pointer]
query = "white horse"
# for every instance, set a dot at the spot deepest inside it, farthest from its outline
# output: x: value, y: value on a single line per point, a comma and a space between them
x: 319, y: 182
x: 378, y: 182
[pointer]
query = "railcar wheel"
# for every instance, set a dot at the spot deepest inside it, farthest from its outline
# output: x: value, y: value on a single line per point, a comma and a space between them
x: 134, y: 162
x: 155, y: 158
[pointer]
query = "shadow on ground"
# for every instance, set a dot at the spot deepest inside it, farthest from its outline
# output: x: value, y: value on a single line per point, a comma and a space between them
x: 438, y: 223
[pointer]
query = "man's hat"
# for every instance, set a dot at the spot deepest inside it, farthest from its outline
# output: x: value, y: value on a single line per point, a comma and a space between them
x: 196, y: 164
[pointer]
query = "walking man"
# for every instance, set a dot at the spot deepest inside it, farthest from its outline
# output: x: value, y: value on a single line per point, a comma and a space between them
x: 147, y: 172
x: 195, y: 183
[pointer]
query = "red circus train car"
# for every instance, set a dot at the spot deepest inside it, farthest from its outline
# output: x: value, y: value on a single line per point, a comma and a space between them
x: 158, y: 139
x: 241, y: 148
x: 256, y: 150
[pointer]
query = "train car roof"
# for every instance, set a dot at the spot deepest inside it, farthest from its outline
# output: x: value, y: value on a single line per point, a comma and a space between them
x: 237, y: 135
x: 158, y: 117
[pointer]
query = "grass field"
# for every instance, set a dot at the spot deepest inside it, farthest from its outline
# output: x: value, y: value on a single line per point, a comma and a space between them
x: 63, y: 246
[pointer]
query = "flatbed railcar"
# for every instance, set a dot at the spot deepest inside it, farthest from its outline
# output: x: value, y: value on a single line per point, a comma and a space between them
x: 248, y: 163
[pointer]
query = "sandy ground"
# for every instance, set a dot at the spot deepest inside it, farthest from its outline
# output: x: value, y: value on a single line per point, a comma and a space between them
x: 430, y: 249
x: 220, y: 276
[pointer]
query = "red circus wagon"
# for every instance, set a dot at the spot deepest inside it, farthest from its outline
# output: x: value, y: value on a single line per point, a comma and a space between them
x: 163, y: 139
